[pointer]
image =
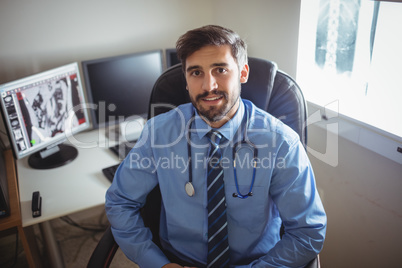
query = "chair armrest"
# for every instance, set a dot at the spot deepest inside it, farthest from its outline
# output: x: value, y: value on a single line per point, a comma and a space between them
x: 104, y: 252
x: 314, y: 263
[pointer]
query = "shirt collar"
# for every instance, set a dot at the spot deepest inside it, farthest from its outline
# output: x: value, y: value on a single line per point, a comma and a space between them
x: 228, y: 130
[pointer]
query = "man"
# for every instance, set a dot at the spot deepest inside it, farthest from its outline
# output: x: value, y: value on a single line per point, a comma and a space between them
x: 177, y: 152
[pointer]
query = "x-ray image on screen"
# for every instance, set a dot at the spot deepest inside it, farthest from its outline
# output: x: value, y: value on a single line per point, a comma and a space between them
x: 46, y: 108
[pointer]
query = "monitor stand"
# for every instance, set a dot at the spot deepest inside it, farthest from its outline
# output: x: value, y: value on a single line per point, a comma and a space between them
x: 60, y: 155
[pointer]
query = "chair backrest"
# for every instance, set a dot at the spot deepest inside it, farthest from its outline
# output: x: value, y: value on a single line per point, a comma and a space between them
x: 267, y: 87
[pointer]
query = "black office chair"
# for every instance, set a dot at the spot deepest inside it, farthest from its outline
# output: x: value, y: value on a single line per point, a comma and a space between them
x: 268, y: 88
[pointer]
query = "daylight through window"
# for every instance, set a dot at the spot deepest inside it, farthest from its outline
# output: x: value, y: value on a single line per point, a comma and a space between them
x: 350, y: 54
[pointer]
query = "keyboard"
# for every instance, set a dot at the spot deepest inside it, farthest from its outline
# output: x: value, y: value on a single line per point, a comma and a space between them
x: 110, y: 171
x: 122, y: 149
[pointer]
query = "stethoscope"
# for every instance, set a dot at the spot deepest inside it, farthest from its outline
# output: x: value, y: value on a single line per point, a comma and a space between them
x: 189, y: 185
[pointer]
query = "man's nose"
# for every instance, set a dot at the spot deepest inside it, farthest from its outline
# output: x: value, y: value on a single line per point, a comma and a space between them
x: 209, y: 83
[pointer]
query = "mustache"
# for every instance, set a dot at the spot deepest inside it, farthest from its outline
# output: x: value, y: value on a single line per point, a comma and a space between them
x: 213, y: 92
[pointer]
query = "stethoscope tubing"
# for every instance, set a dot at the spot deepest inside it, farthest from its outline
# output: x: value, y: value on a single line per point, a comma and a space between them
x: 189, y: 188
x: 255, y: 155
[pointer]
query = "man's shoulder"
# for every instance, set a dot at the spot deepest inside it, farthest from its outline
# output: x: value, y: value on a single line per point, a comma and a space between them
x: 176, y: 118
x: 166, y: 128
x: 183, y: 111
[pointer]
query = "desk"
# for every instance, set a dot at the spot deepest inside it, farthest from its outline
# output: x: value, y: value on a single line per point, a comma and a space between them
x: 74, y: 187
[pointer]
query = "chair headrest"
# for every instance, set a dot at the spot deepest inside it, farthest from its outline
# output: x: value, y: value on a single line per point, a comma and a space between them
x: 260, y: 83
x: 169, y: 89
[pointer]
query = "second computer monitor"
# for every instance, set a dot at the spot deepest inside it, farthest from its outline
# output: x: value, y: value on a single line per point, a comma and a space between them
x: 171, y: 57
x: 119, y: 87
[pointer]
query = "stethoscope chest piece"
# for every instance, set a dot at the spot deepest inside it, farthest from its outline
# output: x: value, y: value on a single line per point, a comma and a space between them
x: 189, y: 189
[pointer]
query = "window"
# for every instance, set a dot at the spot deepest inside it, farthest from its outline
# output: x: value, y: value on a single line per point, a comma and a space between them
x: 350, y: 53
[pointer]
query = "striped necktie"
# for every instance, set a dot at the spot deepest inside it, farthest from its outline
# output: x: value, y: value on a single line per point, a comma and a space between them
x: 218, y: 246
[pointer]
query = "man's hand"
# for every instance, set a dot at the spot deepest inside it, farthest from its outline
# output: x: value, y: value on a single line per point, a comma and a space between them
x: 172, y: 265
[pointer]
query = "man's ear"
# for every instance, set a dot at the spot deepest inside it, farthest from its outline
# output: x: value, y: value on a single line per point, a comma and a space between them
x: 244, y: 73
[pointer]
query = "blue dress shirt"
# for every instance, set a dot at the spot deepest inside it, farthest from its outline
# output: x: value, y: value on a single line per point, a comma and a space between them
x: 284, y: 190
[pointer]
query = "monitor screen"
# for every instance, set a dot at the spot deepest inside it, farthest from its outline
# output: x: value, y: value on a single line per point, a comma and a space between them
x: 40, y: 110
x: 120, y: 86
x: 171, y: 57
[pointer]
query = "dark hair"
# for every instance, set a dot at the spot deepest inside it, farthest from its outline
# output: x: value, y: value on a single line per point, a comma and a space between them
x: 214, y: 35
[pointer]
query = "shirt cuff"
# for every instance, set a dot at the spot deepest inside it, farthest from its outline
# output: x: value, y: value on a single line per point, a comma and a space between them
x: 152, y: 259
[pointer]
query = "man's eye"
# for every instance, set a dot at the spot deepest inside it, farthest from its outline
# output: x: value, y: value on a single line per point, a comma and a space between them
x: 221, y: 70
x: 196, y: 73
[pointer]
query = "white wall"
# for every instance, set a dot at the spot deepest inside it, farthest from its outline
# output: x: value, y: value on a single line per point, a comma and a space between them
x: 38, y: 35
x: 361, y: 194
x: 270, y: 27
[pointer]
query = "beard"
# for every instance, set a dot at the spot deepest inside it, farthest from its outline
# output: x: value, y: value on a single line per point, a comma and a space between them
x: 214, y: 113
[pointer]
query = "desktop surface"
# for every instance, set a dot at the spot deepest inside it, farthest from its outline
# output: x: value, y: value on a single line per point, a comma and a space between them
x: 76, y: 186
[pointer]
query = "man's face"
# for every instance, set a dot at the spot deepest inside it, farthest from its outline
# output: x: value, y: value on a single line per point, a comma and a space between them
x: 213, y: 81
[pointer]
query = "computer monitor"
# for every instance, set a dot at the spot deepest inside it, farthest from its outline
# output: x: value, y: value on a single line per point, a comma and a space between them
x: 171, y: 57
x: 39, y: 112
x: 121, y: 86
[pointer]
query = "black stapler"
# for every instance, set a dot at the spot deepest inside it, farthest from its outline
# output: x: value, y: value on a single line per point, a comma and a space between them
x: 36, y: 204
